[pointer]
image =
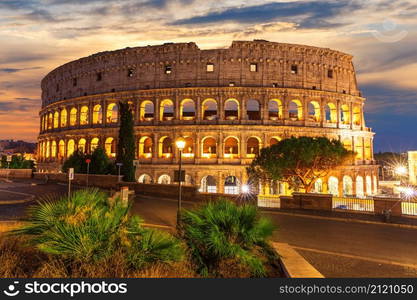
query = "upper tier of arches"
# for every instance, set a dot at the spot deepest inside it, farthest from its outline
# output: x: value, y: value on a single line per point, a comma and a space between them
x: 243, y: 64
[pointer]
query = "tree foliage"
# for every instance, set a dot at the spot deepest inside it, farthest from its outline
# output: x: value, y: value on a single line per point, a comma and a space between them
x: 100, y: 163
x: 126, y: 145
x: 18, y: 162
x: 299, y: 161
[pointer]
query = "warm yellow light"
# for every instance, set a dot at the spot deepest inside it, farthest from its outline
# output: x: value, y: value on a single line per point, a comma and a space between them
x: 400, y: 170
x: 180, y: 143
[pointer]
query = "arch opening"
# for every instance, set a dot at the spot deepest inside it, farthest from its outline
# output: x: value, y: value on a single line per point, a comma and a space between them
x: 145, y: 147
x: 97, y: 114
x: 275, y: 109
x: 209, y: 109
x: 295, y: 110
x: 208, y: 184
x: 253, y: 109
x: 231, y: 109
x: 231, y: 147
x: 147, y: 111
x: 252, y: 147
x: 231, y: 185
x: 187, y: 109
x: 166, y: 110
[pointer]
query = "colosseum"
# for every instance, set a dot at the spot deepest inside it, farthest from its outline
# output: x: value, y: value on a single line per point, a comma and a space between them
x: 226, y: 103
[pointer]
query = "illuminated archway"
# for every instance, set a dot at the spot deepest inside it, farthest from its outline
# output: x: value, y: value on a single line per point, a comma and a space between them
x: 359, y: 148
x: 209, y: 109
x: 110, y: 147
x: 97, y: 114
x: 208, y: 184
x: 94, y: 143
x: 112, y: 113
x: 231, y: 109
x: 274, y: 140
x: 187, y: 109
x: 164, y: 179
x: 359, y: 187
x: 275, y: 109
x: 331, y: 112
x: 56, y: 119
x: 73, y: 116
x: 357, y: 116
x: 61, y: 149
x: 345, y: 114
x: 82, y: 145
x: 146, y: 111
x: 145, y: 178
x: 231, y: 147
x: 347, y: 186
x: 84, y: 115
x: 145, y: 147
x: 295, y: 110
x: 64, y: 117
x: 231, y: 185
x: 165, y: 148
x: 209, y: 146
x: 70, y: 147
x: 347, y: 143
x: 368, y: 183
x: 53, y: 149
x: 50, y: 120
x: 314, y: 111
x: 189, y: 147
x: 333, y: 184
x: 252, y: 147
x: 166, y: 110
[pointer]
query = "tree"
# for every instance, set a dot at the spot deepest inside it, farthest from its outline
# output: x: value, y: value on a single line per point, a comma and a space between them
x: 299, y: 161
x: 18, y: 162
x: 126, y: 145
x: 100, y: 162
x: 76, y: 161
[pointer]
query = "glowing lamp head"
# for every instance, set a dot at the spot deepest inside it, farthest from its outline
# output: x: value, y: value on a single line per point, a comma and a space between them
x: 245, y: 188
x: 180, y: 143
x: 400, y: 170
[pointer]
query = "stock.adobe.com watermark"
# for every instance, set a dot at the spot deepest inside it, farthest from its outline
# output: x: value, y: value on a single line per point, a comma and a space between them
x: 72, y: 289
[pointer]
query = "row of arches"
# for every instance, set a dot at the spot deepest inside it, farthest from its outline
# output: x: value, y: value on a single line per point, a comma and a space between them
x: 358, y: 186
x: 210, y: 146
x: 232, y: 110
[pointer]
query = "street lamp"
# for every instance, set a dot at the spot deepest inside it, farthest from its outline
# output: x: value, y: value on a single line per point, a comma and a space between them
x: 400, y: 170
x: 180, y: 143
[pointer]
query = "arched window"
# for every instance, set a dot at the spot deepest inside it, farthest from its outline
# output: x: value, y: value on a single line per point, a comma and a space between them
x: 164, y: 179
x: 48, y: 149
x: 274, y: 140
x: 331, y: 113
x: 318, y: 186
x: 231, y: 109
x: 147, y: 111
x: 252, y: 147
x: 208, y: 184
x: 84, y: 115
x: 50, y: 120
x: 314, y: 111
x: 357, y: 115
x: 110, y: 147
x: 187, y: 109
x: 209, y: 109
x: 333, y: 184
x: 112, y: 113
x: 359, y: 187
x: 53, y: 149
x: 189, y: 147
x: 81, y: 145
x: 56, y: 119
x: 145, y: 147
x: 166, y: 110
x: 73, y: 116
x: 275, y: 109
x: 347, y: 143
x: 145, y: 178
x: 64, y: 118
x: 209, y: 145
x: 368, y: 153
x: 295, y: 110
x: 368, y: 181
x: 61, y: 149
x: 70, y: 147
x: 345, y: 114
x: 359, y: 148
x: 97, y: 114
x: 231, y: 147
x: 347, y: 186
x: 231, y: 185
x: 165, y: 147
x: 188, y: 180
x: 253, y: 109
x: 94, y: 144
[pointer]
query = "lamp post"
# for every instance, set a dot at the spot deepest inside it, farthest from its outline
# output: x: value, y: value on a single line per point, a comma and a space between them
x: 180, y: 143
x: 88, y: 161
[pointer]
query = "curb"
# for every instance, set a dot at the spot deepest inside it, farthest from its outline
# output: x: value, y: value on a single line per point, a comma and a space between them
x: 6, y: 226
x: 347, y: 220
x: 28, y: 198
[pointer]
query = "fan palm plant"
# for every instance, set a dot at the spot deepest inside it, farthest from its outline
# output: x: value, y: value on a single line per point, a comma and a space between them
x: 221, y: 230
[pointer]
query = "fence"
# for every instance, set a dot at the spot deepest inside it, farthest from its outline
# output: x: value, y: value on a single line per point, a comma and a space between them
x: 355, y: 204
x: 409, y: 208
x: 272, y: 201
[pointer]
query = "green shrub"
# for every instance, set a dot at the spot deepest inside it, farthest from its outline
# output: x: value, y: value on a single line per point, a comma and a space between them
x: 86, y: 228
x: 222, y: 231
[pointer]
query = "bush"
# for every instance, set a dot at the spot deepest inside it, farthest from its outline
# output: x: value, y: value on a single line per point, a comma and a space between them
x: 100, y: 163
x: 224, y: 234
x: 86, y: 228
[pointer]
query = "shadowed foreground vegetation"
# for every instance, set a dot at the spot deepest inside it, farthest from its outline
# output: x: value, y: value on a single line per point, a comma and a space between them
x: 87, y: 235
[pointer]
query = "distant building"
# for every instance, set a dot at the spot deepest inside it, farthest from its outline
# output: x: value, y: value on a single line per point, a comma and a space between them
x: 412, y: 167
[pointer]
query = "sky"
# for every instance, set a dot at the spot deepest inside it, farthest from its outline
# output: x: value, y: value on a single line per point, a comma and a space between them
x: 36, y: 36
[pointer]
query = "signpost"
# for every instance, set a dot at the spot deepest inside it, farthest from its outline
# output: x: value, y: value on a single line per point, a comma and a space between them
x: 88, y: 161
x: 118, y: 172
x: 70, y: 178
x: 9, y: 160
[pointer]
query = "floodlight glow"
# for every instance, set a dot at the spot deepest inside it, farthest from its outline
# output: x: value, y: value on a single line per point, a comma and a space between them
x: 180, y: 143
x: 245, y: 188
x: 400, y: 170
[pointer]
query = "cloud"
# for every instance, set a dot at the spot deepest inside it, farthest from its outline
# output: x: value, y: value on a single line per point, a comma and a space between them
x: 308, y: 14
x: 15, y: 70
x: 18, y: 4
x: 19, y: 105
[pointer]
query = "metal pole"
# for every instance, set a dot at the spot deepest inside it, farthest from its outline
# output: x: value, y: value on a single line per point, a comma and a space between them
x: 69, y: 188
x: 118, y: 176
x: 179, y: 189
x: 88, y: 171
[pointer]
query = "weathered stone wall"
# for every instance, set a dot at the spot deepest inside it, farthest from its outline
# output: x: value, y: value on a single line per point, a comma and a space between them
x: 145, y: 68
x: 16, y: 173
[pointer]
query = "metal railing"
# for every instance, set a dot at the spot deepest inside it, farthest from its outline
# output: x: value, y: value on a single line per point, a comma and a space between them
x: 272, y: 201
x: 409, y: 208
x: 353, y: 204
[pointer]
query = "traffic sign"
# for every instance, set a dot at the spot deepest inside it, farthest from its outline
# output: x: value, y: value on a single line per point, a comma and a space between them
x: 88, y: 160
x: 9, y: 158
x: 71, y: 174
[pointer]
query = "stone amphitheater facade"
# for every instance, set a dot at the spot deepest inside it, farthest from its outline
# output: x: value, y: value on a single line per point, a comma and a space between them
x: 227, y: 103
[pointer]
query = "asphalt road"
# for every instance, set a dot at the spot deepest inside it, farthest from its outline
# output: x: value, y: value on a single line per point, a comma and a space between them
x: 335, y: 248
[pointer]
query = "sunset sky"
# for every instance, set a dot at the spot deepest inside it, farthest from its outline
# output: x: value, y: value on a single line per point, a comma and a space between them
x: 38, y: 35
